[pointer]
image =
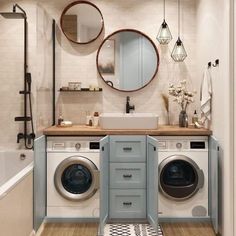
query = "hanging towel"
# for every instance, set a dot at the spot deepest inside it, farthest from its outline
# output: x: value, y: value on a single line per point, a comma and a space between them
x: 206, y: 96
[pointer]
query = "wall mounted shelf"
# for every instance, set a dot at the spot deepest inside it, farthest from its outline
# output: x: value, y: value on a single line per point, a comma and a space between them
x: 82, y: 90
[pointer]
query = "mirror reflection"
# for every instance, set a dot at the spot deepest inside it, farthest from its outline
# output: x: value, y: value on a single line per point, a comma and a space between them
x: 127, y: 60
x: 81, y: 22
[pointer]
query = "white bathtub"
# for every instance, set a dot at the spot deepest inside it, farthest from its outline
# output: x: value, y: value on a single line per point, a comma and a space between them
x: 16, y: 193
x: 14, y: 165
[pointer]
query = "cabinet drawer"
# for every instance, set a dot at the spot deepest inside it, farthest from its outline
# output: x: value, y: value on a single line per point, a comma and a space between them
x: 127, y: 175
x: 128, y: 149
x: 128, y: 203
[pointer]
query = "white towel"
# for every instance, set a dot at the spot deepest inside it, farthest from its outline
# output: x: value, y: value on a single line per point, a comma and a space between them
x: 206, y: 96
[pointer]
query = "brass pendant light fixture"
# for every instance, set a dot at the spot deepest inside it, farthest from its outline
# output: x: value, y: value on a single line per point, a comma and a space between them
x: 179, y: 54
x: 164, y: 35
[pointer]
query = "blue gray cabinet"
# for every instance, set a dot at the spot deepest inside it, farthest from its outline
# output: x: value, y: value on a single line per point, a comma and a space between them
x: 213, y: 179
x: 104, y: 182
x: 39, y: 181
x: 152, y: 182
x: 128, y: 181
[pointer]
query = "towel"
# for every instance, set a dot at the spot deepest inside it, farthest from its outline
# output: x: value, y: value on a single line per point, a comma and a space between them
x: 206, y: 96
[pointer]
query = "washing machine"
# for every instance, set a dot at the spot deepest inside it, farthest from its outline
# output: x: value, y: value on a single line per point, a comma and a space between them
x: 73, y: 177
x: 183, y: 176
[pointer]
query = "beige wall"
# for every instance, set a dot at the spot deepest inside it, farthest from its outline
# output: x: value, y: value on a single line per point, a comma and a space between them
x: 213, y: 42
x: 12, y: 71
x: 44, y: 70
x: 78, y: 63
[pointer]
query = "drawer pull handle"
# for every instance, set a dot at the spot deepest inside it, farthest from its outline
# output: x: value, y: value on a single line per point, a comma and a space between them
x: 127, y: 203
x: 127, y: 176
x: 127, y: 149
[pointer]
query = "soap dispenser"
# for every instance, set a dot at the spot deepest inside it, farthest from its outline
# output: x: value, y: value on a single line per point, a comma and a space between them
x: 195, y: 118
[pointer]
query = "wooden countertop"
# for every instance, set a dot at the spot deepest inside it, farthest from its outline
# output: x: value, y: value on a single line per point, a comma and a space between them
x: 163, y: 130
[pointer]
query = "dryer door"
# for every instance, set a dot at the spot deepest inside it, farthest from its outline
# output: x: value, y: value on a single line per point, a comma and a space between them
x: 76, y: 178
x: 180, y: 177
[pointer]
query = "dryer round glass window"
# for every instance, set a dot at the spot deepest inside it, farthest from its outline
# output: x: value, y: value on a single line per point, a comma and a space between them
x: 76, y: 178
x: 180, y: 177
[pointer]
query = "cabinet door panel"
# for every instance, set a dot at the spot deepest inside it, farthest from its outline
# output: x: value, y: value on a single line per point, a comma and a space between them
x: 39, y: 181
x: 213, y: 179
x: 104, y: 183
x: 128, y: 148
x: 152, y: 182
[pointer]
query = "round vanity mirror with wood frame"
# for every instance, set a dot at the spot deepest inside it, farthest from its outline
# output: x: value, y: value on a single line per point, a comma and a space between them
x: 127, y: 60
x: 82, y: 22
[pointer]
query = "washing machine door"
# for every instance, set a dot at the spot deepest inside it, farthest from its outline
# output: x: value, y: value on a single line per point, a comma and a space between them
x: 76, y: 178
x: 179, y: 177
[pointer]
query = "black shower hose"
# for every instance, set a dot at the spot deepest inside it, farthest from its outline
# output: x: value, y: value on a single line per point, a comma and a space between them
x: 32, y: 125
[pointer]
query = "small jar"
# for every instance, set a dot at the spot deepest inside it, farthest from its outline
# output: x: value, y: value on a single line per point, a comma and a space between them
x: 95, y: 119
x: 60, y: 119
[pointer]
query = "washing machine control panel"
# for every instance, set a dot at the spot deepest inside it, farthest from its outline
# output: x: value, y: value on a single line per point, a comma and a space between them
x: 73, y: 144
x: 182, y: 145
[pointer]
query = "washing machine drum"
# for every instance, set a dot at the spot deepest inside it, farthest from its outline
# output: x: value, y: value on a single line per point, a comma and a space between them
x: 179, y: 177
x: 76, y: 178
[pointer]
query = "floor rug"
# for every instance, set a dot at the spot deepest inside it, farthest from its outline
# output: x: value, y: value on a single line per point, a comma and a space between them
x: 131, y: 230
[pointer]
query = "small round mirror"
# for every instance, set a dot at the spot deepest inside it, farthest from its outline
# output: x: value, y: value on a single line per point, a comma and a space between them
x: 127, y: 60
x: 82, y: 22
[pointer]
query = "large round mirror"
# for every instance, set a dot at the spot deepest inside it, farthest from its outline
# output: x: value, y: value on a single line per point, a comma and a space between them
x: 127, y: 60
x: 82, y: 22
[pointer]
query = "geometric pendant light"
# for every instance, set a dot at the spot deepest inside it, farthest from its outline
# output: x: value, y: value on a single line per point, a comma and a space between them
x: 179, y: 54
x: 164, y: 35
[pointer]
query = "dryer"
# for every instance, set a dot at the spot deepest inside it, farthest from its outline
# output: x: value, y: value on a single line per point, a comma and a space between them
x: 73, y: 177
x: 183, y: 176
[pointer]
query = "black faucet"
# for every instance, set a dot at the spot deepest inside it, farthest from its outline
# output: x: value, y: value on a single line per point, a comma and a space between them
x: 128, y: 106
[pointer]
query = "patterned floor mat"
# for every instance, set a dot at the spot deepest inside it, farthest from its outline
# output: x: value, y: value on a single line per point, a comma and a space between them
x: 131, y: 230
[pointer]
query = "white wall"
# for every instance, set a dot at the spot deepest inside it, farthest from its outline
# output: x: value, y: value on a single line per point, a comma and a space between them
x: 213, y: 22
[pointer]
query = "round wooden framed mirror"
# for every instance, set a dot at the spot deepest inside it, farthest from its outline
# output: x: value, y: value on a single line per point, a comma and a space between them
x: 127, y: 60
x: 82, y: 22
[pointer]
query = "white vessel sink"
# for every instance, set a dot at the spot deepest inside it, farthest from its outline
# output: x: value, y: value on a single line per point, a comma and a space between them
x: 128, y: 121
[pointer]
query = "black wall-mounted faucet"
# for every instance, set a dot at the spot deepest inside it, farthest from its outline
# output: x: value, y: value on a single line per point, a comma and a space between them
x: 128, y: 106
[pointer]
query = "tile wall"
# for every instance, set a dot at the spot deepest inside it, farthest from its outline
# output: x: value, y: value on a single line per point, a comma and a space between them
x: 78, y: 63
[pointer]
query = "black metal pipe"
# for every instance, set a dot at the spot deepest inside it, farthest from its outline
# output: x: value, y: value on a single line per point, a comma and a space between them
x: 53, y: 72
x: 19, y: 7
x: 25, y: 82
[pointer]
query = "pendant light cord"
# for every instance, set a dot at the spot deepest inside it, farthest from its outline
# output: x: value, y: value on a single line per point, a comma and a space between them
x: 164, y: 9
x: 178, y: 18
